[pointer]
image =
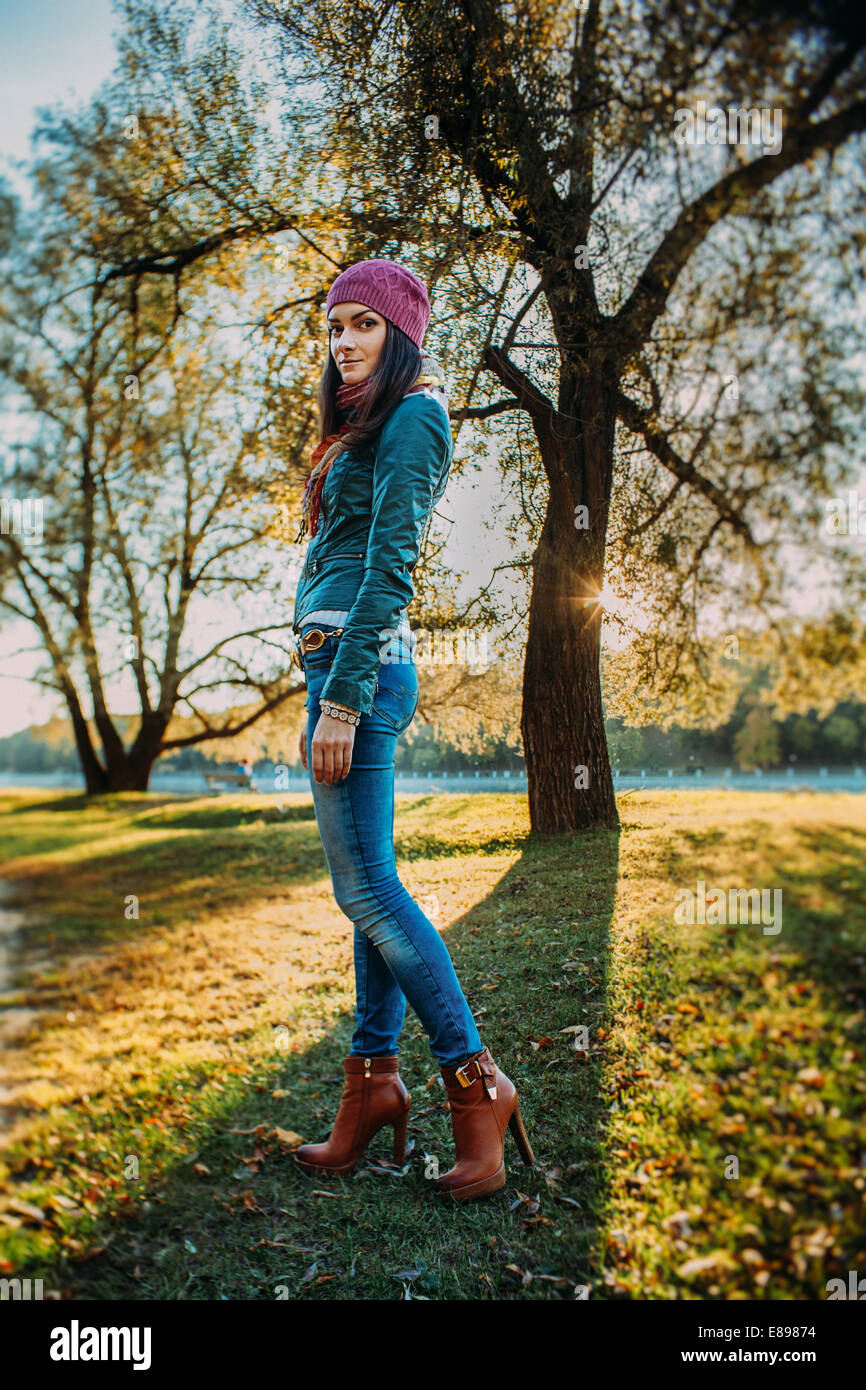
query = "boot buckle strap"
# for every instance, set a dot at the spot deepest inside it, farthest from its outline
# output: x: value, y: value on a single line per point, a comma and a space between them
x: 466, y: 1065
x: 487, y: 1075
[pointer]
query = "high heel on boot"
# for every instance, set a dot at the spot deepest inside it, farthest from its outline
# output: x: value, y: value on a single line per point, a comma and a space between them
x: 521, y: 1139
x: 373, y: 1096
x: 482, y: 1102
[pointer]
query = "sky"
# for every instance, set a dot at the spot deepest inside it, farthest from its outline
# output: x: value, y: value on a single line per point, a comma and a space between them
x: 52, y: 52
x: 48, y: 52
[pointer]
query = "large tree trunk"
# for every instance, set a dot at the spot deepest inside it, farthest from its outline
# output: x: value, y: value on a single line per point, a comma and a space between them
x: 564, y: 740
x: 122, y: 771
x: 130, y: 771
x: 130, y: 774
x: 94, y: 772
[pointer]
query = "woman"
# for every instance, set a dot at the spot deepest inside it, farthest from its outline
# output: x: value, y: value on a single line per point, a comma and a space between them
x: 382, y: 464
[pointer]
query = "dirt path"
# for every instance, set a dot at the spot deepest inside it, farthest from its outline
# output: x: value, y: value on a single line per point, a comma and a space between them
x: 15, y: 1018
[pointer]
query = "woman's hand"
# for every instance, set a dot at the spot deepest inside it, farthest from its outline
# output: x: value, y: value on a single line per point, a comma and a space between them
x: 332, y: 745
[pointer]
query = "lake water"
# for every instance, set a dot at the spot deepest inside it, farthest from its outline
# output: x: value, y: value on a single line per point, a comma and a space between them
x: 264, y: 779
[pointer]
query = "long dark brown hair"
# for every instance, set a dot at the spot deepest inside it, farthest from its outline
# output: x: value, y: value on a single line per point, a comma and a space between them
x: 397, y: 369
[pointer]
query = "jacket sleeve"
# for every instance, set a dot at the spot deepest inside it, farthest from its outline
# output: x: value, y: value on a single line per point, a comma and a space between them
x: 413, y: 458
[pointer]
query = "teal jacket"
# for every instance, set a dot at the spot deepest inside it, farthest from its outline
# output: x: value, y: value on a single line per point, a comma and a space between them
x: 376, y: 500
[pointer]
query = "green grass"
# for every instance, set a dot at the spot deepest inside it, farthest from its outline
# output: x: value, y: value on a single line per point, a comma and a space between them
x: 709, y: 1144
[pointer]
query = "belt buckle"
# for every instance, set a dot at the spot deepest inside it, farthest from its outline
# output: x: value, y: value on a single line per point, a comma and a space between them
x: 460, y: 1070
x: 308, y: 645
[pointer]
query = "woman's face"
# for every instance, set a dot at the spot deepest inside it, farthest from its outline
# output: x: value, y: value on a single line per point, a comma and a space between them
x: 357, y: 338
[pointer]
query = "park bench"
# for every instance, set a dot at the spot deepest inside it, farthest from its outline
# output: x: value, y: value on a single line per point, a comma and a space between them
x: 242, y: 780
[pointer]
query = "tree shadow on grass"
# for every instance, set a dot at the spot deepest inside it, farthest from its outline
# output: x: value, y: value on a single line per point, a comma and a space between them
x: 178, y: 875
x: 824, y: 913
x: 106, y: 802
x: 531, y: 955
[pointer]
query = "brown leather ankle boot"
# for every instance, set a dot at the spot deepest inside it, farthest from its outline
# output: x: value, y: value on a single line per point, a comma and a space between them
x: 482, y: 1102
x: 373, y: 1096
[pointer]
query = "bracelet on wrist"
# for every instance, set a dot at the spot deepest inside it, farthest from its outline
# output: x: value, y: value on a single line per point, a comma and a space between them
x: 343, y: 712
x: 338, y: 704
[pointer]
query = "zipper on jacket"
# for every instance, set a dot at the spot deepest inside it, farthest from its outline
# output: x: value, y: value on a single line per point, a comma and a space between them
x: 337, y: 555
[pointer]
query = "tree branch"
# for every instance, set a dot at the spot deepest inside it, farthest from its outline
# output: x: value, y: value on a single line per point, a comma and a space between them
x: 633, y: 322
x: 481, y: 412
x: 635, y: 418
x: 528, y: 395
x: 229, y: 730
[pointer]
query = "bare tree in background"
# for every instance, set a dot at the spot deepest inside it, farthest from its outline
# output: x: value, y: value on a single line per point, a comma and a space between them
x: 157, y: 514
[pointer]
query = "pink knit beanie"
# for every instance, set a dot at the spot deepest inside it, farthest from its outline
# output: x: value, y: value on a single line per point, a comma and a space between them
x: 393, y: 291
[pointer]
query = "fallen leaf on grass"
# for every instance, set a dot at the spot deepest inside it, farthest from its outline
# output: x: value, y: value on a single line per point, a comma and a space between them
x: 285, y: 1136
x: 531, y: 1203
x: 246, y: 1199
x: 753, y: 1258
x: 311, y: 1277
x: 730, y: 1128
x: 201, y: 1170
x: 811, y: 1076
x: 27, y: 1210
x: 678, y: 1224
x: 255, y: 1162
x: 61, y: 1203
x: 718, y: 1261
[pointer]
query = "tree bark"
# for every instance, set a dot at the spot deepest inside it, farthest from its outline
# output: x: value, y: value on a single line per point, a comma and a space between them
x: 94, y: 773
x: 122, y: 770
x: 562, y: 723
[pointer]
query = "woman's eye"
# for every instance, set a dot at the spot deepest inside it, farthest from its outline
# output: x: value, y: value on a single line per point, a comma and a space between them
x: 366, y: 323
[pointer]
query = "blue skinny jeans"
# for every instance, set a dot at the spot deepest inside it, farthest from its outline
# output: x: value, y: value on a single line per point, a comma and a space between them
x: 398, y: 953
